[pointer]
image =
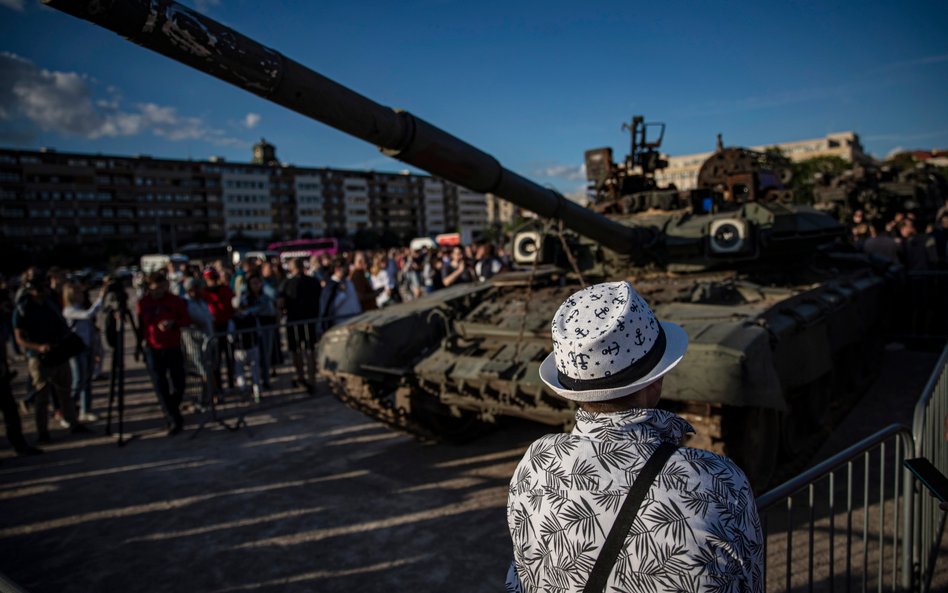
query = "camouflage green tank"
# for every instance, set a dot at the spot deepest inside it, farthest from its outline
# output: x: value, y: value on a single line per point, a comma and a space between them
x: 783, y: 327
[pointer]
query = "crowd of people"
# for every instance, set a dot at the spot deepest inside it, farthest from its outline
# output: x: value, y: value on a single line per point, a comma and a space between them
x: 247, y: 302
x: 900, y: 240
x: 232, y: 326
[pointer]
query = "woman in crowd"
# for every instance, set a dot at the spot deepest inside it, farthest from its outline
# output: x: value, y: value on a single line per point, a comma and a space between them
x: 200, y: 349
x: 365, y: 288
x: 381, y: 282
x: 459, y: 269
x: 82, y: 321
x: 250, y: 340
x: 432, y: 273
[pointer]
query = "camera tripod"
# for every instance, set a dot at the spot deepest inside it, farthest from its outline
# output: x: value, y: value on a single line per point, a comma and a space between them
x: 117, y: 372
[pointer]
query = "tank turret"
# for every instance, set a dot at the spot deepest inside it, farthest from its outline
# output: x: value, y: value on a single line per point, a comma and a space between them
x: 783, y: 332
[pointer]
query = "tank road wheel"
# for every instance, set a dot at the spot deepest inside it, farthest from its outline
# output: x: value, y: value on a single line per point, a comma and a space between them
x: 752, y: 440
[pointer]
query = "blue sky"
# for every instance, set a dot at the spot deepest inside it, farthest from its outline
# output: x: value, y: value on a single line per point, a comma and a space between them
x: 535, y: 84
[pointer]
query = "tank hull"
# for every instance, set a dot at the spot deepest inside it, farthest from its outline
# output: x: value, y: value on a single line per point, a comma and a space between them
x: 767, y: 367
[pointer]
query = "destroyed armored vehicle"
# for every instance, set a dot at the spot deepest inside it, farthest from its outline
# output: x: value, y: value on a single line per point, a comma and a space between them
x: 783, y: 327
x: 881, y: 192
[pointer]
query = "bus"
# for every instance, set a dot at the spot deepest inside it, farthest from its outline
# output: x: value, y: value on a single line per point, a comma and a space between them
x: 207, y: 253
x: 304, y: 248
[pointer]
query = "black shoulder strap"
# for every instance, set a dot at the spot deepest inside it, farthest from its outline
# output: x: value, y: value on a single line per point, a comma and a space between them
x: 623, y: 523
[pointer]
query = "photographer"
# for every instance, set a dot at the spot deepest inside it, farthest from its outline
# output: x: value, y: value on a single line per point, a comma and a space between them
x: 39, y: 327
x: 487, y: 263
x: 339, y: 300
x: 161, y: 316
x: 459, y: 269
x: 82, y: 321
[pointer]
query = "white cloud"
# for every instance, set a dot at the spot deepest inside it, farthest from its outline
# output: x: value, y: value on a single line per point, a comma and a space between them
x: 16, y: 5
x: 580, y: 195
x: 895, y: 151
x: 63, y: 102
x: 567, y: 172
x: 251, y: 120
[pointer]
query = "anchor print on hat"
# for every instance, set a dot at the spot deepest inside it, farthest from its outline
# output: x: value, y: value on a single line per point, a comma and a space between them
x: 603, y: 329
x: 607, y: 343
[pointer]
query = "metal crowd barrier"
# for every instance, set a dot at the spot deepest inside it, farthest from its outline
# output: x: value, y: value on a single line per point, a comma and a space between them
x: 196, y: 367
x: 262, y: 355
x: 930, y: 429
x: 859, y: 520
x: 841, y: 525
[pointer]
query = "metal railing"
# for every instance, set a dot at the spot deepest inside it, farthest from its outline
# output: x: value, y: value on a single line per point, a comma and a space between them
x: 842, y: 525
x: 859, y: 520
x: 229, y: 370
x: 8, y: 586
x: 930, y: 429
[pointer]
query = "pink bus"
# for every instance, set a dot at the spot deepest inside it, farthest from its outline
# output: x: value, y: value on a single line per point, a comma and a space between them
x: 305, y: 248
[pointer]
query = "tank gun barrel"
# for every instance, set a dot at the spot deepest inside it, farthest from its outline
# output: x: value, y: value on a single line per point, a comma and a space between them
x: 187, y: 36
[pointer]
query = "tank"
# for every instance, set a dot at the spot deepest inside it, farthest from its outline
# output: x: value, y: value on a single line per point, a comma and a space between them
x: 879, y: 193
x: 783, y: 323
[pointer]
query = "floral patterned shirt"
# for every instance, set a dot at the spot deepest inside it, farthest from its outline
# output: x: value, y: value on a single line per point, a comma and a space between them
x: 697, y: 529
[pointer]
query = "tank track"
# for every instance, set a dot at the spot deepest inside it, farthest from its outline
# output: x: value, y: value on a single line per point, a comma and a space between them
x: 359, y: 394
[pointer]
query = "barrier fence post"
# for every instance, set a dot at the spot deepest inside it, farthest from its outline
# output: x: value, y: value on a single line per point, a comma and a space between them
x: 929, y: 432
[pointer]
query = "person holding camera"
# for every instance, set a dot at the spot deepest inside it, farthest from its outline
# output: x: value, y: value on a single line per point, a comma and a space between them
x: 82, y: 321
x: 487, y: 264
x: 161, y: 316
x: 339, y: 301
x: 459, y: 269
x: 40, y: 328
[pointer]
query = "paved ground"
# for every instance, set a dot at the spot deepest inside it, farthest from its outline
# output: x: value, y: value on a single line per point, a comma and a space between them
x: 313, y: 497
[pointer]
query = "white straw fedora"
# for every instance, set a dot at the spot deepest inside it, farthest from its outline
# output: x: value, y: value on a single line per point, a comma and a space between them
x: 607, y: 343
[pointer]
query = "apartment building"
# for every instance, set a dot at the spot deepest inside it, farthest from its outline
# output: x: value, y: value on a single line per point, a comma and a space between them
x: 52, y: 202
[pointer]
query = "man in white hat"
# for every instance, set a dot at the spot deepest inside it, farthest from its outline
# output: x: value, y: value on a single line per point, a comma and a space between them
x: 616, y: 504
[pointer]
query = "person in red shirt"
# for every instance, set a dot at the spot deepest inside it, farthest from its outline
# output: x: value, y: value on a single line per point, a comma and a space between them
x: 161, y: 316
x: 220, y: 300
